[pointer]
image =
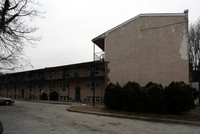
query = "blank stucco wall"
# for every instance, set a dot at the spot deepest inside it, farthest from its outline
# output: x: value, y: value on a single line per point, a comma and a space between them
x: 149, y: 49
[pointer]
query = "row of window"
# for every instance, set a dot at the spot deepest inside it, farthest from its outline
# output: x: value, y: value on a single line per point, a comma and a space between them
x: 51, y: 76
x: 51, y: 85
x: 30, y: 90
x: 32, y: 76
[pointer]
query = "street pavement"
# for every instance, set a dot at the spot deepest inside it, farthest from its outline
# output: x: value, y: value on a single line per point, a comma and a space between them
x: 42, y: 118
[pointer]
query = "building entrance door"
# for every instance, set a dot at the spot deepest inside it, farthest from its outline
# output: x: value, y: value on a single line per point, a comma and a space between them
x: 77, y: 93
x: 22, y: 93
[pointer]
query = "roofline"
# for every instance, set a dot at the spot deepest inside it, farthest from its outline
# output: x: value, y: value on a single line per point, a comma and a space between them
x: 102, y: 36
x: 49, y: 68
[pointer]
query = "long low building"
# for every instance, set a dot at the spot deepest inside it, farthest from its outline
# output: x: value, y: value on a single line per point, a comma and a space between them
x: 72, y: 82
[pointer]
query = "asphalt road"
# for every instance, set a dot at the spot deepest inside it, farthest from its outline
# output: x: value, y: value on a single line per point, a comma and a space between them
x: 40, y: 118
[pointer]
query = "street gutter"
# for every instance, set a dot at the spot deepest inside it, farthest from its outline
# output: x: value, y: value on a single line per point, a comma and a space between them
x: 49, y: 102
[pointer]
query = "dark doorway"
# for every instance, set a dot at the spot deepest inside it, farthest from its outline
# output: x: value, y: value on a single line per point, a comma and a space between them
x: 22, y: 93
x: 77, y: 93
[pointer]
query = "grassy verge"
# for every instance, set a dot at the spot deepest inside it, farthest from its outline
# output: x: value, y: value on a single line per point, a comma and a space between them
x: 193, y: 115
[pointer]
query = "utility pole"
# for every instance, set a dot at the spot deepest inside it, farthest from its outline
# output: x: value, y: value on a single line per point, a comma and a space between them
x: 93, y: 83
x: 93, y: 78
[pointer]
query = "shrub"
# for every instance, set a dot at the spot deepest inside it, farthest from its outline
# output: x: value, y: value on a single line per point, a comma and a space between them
x: 132, y: 97
x: 150, y: 84
x: 176, y: 98
x: 155, y: 98
x: 54, y: 95
x: 179, y: 98
x: 44, y: 96
x: 112, y: 98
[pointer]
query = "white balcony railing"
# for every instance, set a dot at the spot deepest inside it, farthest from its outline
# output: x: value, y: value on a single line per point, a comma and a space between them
x: 99, y: 56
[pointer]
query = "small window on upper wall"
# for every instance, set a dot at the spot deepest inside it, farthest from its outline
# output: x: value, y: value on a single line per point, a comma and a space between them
x: 67, y: 84
x: 88, y: 68
x: 51, y: 74
x: 51, y: 85
x: 97, y: 84
x: 88, y: 84
x: 40, y: 85
x: 76, y: 75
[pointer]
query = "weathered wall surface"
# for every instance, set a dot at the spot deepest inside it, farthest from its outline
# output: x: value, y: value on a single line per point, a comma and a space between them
x: 149, y: 49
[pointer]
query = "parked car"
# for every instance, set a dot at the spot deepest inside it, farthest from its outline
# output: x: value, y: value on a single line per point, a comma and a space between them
x: 6, y: 101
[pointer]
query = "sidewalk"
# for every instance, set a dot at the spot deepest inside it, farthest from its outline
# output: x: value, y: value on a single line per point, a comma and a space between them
x: 47, y: 101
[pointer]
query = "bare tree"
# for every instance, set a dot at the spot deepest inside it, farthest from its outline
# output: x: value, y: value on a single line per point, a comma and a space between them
x: 15, y: 33
x: 194, y: 45
x: 194, y: 50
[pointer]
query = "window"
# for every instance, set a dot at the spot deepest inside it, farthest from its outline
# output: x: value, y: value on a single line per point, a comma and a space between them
x: 61, y: 72
x: 76, y: 75
x: 97, y: 84
x: 97, y: 70
x: 88, y: 84
x: 51, y: 74
x: 66, y: 84
x: 63, y: 84
x: 29, y: 86
x: 65, y: 73
x: 88, y: 68
x: 51, y: 85
x: 2, y: 86
x: 40, y: 76
x: 40, y: 85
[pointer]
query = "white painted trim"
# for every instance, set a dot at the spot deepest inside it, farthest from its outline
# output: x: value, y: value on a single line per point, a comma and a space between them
x: 105, y: 48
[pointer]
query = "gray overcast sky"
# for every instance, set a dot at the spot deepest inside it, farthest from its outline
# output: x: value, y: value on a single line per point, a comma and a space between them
x: 70, y: 25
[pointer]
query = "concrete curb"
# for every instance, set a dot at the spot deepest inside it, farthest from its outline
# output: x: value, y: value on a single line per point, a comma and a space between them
x: 49, y: 102
x: 138, y: 117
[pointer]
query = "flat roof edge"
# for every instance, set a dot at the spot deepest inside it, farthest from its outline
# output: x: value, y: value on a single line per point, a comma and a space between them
x: 53, y: 67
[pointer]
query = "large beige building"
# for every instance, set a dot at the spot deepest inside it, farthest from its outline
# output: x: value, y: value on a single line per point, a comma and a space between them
x: 148, y: 47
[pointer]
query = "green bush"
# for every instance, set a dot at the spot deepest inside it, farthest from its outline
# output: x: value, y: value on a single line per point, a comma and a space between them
x: 132, y: 97
x: 112, y: 98
x: 54, y: 95
x: 176, y: 98
x: 44, y: 96
x: 155, y: 98
x: 179, y: 98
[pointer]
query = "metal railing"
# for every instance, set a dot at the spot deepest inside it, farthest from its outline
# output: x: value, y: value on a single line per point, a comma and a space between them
x: 100, y: 56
